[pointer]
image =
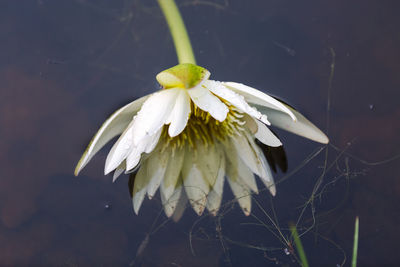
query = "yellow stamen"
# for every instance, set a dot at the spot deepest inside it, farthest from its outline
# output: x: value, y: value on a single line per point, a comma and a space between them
x: 202, y: 127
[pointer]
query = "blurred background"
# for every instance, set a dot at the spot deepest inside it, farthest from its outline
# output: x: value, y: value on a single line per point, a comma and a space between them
x: 65, y: 66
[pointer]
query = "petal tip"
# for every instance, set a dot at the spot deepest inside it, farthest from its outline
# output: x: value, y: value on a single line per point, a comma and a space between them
x: 172, y: 132
x: 80, y: 165
x: 77, y: 170
x: 324, y: 139
x: 320, y: 137
x: 272, y: 190
x: 136, y: 211
x: 198, y: 207
x: 107, y: 169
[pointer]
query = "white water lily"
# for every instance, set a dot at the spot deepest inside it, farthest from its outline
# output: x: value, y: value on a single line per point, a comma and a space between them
x: 188, y: 137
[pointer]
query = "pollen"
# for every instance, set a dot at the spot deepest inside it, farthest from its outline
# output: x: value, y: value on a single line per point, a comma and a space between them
x: 202, y: 128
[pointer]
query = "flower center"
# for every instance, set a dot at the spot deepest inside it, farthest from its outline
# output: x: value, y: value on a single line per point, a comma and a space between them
x: 204, y: 129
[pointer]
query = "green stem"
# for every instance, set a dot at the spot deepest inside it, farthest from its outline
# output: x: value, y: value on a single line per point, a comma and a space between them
x: 299, y: 246
x: 355, y: 244
x: 178, y: 31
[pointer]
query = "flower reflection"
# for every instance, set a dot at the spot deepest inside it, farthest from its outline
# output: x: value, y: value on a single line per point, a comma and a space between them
x: 186, y: 138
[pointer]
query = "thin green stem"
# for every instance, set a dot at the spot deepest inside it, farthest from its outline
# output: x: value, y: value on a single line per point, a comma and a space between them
x: 355, y: 244
x: 178, y: 31
x: 299, y: 246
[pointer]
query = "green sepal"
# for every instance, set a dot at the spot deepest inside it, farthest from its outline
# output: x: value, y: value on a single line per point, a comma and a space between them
x: 184, y: 75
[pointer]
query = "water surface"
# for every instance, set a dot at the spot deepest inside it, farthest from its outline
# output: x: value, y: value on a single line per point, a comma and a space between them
x: 66, y: 65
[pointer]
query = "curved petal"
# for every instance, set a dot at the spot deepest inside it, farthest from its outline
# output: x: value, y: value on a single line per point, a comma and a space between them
x: 124, y: 149
x: 250, y: 123
x: 239, y: 170
x: 133, y: 158
x: 172, y: 173
x: 266, y: 177
x: 139, y: 188
x: 171, y: 203
x: 156, y: 167
x: 235, y: 99
x: 209, y: 160
x: 180, y: 114
x: 254, y: 159
x: 153, y: 141
x: 266, y: 136
x: 257, y: 97
x: 241, y: 146
x: 247, y: 176
x: 112, y: 127
x: 208, y: 102
x: 119, y: 170
x: 120, y: 150
x: 180, y: 207
x: 196, y: 186
x: 154, y: 113
x: 301, y: 126
x: 240, y: 190
x: 214, y: 198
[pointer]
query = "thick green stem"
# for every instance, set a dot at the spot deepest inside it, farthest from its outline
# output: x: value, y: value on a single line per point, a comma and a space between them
x: 178, y: 31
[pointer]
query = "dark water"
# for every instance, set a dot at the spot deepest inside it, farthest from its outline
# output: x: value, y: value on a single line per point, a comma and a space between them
x: 66, y: 65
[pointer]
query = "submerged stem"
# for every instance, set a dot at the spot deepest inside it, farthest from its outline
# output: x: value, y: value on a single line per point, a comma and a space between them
x: 178, y: 31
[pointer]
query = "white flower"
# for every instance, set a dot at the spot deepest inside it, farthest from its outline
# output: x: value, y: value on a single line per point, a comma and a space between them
x: 186, y: 138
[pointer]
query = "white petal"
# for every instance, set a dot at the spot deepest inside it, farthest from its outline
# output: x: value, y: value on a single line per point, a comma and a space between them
x: 257, y: 97
x: 180, y: 114
x: 247, y: 176
x: 137, y: 200
x: 208, y: 102
x: 239, y: 170
x: 244, y: 149
x: 120, y: 150
x: 153, y: 141
x: 172, y: 202
x: 301, y: 126
x: 146, y: 145
x: 172, y: 173
x: 266, y: 136
x: 214, y: 198
x: 254, y: 159
x: 196, y: 186
x: 235, y: 99
x: 112, y: 127
x: 250, y: 123
x: 213, y: 202
x: 180, y: 207
x: 139, y: 188
x: 133, y: 159
x: 157, y: 165
x: 266, y: 177
x: 240, y: 191
x: 120, y: 169
x: 153, y: 114
x: 134, y: 155
x: 209, y: 161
